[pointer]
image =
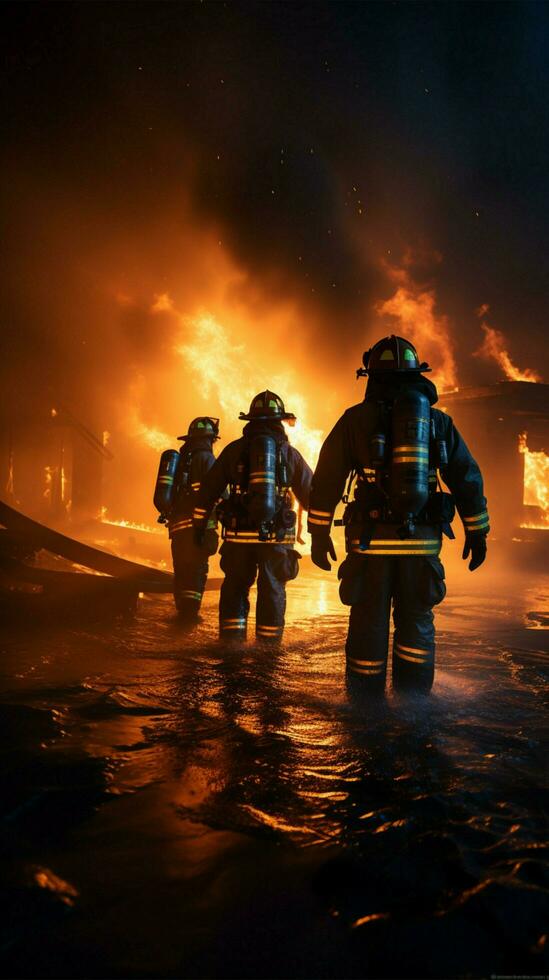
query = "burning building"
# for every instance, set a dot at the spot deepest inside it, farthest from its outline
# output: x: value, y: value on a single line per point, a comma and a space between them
x: 508, y: 425
x: 53, y: 467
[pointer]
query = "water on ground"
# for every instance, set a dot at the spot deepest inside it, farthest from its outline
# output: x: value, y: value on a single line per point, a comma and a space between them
x: 173, y: 808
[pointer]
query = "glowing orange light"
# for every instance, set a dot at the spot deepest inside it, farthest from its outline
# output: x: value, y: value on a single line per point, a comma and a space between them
x: 414, y: 307
x: 536, y: 482
x: 494, y: 347
x: 228, y: 371
x: 48, y: 477
x: 132, y: 525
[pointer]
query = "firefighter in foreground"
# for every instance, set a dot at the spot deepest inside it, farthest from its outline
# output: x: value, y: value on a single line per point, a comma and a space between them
x: 395, y: 444
x: 177, y: 486
x: 262, y: 471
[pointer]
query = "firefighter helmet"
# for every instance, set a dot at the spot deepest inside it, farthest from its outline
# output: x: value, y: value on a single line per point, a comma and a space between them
x: 391, y: 354
x: 267, y: 407
x: 204, y: 426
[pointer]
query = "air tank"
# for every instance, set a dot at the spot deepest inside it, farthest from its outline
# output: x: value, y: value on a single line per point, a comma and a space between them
x: 262, y: 479
x: 165, y: 481
x: 409, y: 481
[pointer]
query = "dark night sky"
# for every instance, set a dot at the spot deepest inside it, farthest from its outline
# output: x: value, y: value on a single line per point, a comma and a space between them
x: 274, y: 120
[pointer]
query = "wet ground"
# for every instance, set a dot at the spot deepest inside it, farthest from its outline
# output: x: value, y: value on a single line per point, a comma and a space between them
x: 175, y: 809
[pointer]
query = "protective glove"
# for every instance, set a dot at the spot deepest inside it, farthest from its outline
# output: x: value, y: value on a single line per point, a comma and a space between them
x: 199, y: 533
x: 321, y: 547
x: 475, y: 545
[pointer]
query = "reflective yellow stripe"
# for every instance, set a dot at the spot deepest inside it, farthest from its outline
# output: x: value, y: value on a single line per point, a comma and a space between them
x: 165, y: 479
x: 263, y: 479
x: 395, y: 551
x: 413, y: 660
x: 257, y: 541
x: 199, y: 513
x: 314, y: 520
x: 398, y: 541
x: 367, y: 663
x: 190, y: 594
x: 224, y: 626
x: 410, y: 459
x: 411, y: 449
x: 244, y: 537
x: 270, y: 629
x: 421, y: 652
x: 382, y: 546
x: 476, y: 517
x: 361, y: 670
x: 235, y: 619
x: 248, y: 535
x: 320, y: 513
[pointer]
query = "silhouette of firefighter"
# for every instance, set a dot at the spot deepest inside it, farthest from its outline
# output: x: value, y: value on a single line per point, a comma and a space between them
x: 392, y: 448
x: 263, y: 472
x: 177, y: 486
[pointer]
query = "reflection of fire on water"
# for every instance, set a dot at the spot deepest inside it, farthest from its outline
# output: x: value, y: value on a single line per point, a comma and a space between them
x: 536, y: 482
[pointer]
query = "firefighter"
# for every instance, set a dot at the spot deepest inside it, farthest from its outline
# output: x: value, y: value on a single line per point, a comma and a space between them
x: 177, y: 487
x: 262, y: 472
x: 392, y: 448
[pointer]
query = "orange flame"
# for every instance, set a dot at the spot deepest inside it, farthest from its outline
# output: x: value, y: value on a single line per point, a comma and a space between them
x: 494, y: 347
x: 132, y: 525
x: 150, y: 435
x: 163, y: 303
x: 48, y: 475
x: 414, y: 307
x: 227, y: 372
x: 536, y: 481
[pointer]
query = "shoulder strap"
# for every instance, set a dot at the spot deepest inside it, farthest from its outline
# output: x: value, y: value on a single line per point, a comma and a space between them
x: 240, y: 482
x: 347, y: 494
x: 282, y: 476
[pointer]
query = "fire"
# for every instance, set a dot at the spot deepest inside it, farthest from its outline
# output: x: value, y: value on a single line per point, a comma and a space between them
x: 493, y: 347
x: 536, y: 481
x: 162, y: 304
x: 150, y: 435
x: 48, y: 478
x: 132, y: 525
x: 414, y: 307
x: 226, y: 371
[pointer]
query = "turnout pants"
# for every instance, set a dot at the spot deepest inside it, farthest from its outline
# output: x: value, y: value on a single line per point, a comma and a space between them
x: 274, y: 565
x: 413, y: 585
x: 190, y: 567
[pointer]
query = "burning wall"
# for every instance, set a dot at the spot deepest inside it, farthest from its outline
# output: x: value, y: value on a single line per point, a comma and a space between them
x: 507, y: 427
